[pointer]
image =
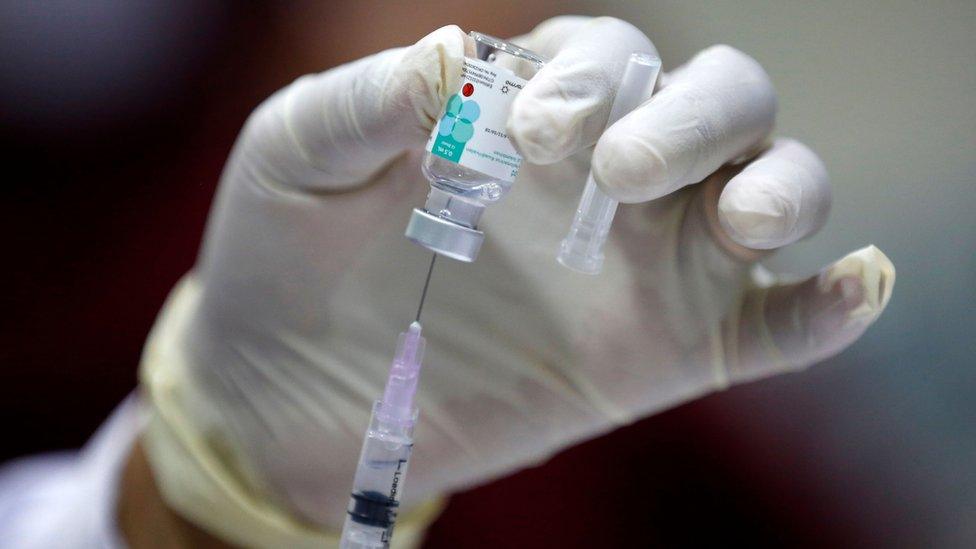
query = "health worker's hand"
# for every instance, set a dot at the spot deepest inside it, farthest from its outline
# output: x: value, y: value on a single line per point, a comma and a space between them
x: 284, y: 330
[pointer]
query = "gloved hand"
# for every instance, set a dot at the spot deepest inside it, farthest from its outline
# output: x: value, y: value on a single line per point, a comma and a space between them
x: 266, y: 360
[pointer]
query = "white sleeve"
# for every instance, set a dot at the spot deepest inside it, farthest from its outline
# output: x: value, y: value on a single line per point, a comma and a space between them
x: 67, y: 499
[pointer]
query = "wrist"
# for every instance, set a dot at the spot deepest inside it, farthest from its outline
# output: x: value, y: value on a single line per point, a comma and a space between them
x: 143, y: 516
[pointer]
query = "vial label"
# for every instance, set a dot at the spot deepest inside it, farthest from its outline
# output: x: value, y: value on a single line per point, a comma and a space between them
x: 471, y: 131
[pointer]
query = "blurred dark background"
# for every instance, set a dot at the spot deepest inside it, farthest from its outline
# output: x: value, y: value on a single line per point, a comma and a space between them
x: 116, y: 118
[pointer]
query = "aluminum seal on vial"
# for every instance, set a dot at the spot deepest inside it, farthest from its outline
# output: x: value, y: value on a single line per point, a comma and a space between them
x: 444, y: 237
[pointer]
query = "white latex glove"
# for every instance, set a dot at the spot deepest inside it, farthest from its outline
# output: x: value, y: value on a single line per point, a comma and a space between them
x: 268, y: 358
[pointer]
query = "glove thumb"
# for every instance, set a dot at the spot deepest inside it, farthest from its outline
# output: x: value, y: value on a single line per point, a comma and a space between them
x: 333, y: 130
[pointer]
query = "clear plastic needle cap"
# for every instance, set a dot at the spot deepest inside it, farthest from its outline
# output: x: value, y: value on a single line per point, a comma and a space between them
x: 582, y: 249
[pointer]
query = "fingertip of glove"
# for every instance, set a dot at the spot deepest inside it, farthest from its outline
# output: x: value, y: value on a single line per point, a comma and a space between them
x: 542, y: 134
x: 429, y: 71
x: 866, y: 278
x: 447, y: 34
x: 628, y: 169
x: 758, y: 216
x: 445, y: 46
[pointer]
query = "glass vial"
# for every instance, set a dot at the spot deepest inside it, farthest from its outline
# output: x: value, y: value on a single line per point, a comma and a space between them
x: 469, y: 159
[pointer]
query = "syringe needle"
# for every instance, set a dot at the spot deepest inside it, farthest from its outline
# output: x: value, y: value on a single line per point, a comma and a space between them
x: 423, y: 295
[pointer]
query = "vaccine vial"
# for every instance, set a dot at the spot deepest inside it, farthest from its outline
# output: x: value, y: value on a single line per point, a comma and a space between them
x: 469, y: 159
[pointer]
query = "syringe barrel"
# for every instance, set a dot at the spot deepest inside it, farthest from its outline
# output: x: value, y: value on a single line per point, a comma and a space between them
x: 582, y: 249
x: 378, y: 484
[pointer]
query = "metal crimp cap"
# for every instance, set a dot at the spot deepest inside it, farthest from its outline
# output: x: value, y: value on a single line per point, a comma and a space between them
x: 443, y: 236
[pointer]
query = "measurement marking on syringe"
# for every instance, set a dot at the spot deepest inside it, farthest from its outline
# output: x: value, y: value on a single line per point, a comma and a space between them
x: 396, y: 479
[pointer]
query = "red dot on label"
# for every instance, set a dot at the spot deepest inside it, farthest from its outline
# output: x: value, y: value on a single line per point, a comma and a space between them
x: 467, y: 89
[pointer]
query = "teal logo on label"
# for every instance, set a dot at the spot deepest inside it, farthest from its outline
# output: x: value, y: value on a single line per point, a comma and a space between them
x: 455, y: 128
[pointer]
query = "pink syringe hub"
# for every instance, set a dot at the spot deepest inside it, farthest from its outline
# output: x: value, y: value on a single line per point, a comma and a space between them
x: 401, y: 385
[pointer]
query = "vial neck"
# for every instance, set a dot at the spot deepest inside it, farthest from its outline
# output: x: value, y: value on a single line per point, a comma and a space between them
x: 453, y: 208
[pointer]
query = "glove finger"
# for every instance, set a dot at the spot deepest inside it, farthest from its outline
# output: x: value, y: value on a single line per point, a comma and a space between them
x: 779, y: 198
x: 565, y: 107
x: 791, y: 326
x: 718, y: 107
x: 334, y: 129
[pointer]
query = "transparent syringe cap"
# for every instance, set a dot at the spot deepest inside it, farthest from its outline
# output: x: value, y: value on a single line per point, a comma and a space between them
x: 582, y: 249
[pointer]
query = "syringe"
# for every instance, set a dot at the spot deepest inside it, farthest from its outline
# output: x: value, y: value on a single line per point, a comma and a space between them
x: 383, y: 461
x: 582, y: 249
x: 386, y: 450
